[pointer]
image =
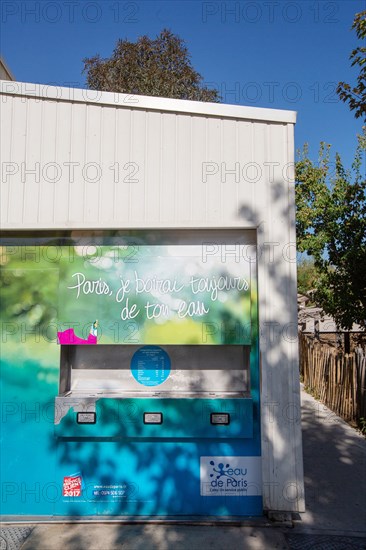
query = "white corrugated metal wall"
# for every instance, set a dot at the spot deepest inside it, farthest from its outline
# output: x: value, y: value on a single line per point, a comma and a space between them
x: 103, y: 163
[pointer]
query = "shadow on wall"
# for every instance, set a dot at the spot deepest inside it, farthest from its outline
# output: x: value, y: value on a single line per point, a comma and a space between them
x: 280, y: 406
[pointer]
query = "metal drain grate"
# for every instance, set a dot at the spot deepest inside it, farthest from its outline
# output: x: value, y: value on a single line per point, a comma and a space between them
x: 324, y: 542
x: 13, y: 537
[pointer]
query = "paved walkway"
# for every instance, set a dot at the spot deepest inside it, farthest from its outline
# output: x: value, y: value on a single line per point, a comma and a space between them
x: 335, y: 484
x: 335, y: 472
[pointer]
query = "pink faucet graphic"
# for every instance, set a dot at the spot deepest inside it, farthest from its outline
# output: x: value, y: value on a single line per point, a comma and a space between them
x: 68, y: 336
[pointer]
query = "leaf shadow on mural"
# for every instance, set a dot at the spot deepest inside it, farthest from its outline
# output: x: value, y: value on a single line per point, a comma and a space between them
x: 157, y: 476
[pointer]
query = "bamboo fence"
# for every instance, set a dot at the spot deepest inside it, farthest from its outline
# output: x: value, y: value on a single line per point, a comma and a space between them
x: 335, y: 378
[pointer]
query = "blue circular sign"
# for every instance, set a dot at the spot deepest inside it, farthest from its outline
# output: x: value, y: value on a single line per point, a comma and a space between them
x: 150, y: 365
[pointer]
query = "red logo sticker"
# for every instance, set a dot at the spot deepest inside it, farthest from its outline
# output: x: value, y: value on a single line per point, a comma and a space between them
x: 72, y: 486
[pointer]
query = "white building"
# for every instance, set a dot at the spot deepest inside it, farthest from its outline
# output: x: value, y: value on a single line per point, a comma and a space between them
x: 94, y: 161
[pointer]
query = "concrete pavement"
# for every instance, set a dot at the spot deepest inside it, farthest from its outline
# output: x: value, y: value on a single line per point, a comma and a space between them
x: 335, y: 472
x: 335, y: 485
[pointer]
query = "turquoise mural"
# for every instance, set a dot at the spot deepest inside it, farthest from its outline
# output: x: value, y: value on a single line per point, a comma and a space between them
x: 119, y: 466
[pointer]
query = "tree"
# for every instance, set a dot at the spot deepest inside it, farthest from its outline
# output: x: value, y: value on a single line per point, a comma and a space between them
x: 159, y: 67
x: 306, y: 276
x: 331, y: 227
x: 356, y: 96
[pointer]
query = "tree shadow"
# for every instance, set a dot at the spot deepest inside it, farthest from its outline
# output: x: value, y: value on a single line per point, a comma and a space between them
x: 334, y: 469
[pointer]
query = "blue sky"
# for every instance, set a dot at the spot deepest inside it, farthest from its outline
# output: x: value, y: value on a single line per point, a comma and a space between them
x: 267, y: 53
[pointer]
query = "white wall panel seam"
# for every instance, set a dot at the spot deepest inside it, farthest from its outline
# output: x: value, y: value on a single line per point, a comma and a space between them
x: 205, y: 216
x: 86, y: 152
x: 238, y: 159
x: 146, y: 169
x: 191, y: 168
x: 252, y: 157
x: 253, y: 193
x: 147, y: 182
x: 161, y: 164
x: 39, y: 154
x: 70, y: 190
x: 207, y: 188
x: 100, y: 181
x: 174, y: 183
x: 11, y: 155
x: 54, y: 202
x: 5, y: 183
x: 54, y: 155
x: 99, y: 163
x: 142, y: 180
x: 25, y: 159
x: 83, y: 206
x: 115, y: 148
x: 222, y: 186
